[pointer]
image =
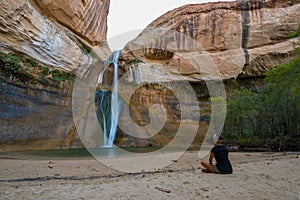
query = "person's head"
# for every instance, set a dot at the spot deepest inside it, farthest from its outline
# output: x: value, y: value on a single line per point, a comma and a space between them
x: 218, y: 139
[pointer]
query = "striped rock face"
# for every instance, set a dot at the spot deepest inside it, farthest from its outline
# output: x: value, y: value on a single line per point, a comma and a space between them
x: 87, y: 18
x: 39, y: 39
x: 201, y: 42
x: 242, y: 38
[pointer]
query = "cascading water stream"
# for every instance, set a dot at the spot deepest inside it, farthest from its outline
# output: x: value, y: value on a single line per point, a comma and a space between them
x: 115, y: 104
x: 103, y: 111
x: 109, y: 115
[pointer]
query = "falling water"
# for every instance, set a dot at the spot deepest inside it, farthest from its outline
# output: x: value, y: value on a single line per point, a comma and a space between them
x: 134, y: 74
x: 103, y: 101
x: 115, y: 104
x: 109, y: 115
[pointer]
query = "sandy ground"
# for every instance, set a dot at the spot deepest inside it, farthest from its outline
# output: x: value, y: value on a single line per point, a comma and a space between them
x: 256, y: 176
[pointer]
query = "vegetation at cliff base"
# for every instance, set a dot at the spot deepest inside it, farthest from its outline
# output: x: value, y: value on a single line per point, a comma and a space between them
x: 62, y: 75
x: 24, y: 70
x: 295, y: 33
x: 269, y: 117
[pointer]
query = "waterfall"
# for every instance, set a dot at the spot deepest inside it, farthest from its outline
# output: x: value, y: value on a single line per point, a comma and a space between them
x: 134, y: 74
x: 115, y: 110
x: 137, y: 75
x: 109, y: 104
x: 103, y: 102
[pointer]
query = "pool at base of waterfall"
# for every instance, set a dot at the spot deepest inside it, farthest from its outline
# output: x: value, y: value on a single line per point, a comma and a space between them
x: 78, y: 153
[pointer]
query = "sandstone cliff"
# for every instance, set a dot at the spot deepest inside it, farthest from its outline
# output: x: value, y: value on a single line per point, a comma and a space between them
x: 86, y: 18
x: 234, y: 37
x: 24, y: 29
x: 201, y: 42
x: 43, y: 45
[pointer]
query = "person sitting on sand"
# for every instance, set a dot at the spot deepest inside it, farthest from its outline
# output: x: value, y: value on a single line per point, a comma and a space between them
x: 220, y: 153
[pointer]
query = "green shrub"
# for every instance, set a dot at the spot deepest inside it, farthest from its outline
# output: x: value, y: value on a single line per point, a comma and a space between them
x: 23, y: 68
x: 62, y: 76
x: 44, y: 71
x: 295, y: 34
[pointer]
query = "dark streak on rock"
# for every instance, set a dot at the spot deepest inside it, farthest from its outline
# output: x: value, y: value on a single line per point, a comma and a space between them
x: 178, y: 37
x: 245, y: 6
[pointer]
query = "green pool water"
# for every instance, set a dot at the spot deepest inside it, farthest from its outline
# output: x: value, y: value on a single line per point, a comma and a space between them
x: 77, y: 153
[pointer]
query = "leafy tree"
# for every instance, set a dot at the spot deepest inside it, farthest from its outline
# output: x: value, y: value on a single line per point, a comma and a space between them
x: 271, y: 114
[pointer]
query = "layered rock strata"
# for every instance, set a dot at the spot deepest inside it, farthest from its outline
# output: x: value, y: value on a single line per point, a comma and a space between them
x: 231, y: 36
x: 87, y: 18
x: 194, y: 43
x: 200, y: 43
x: 40, y: 41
